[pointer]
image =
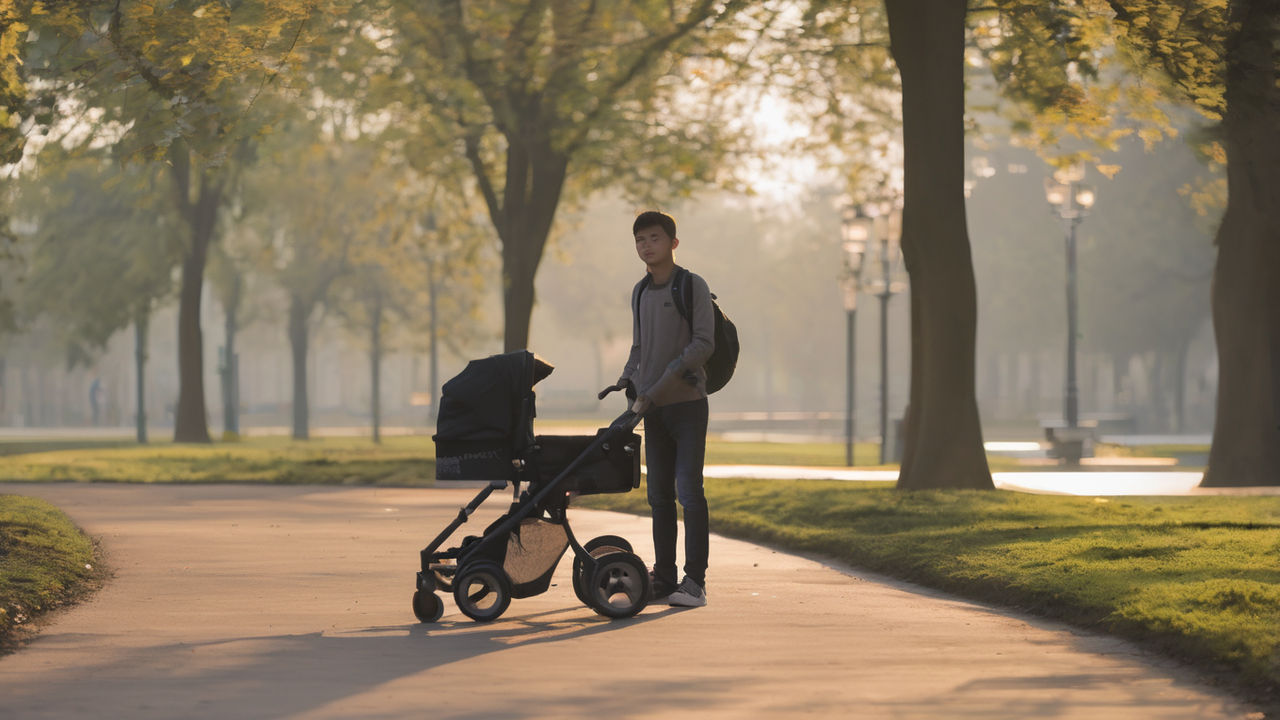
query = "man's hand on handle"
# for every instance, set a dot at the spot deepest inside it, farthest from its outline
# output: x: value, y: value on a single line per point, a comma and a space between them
x: 641, y: 404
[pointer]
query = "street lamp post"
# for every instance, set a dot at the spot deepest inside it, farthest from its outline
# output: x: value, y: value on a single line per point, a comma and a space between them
x: 1070, y: 200
x: 887, y: 220
x: 885, y: 293
x: 854, y: 232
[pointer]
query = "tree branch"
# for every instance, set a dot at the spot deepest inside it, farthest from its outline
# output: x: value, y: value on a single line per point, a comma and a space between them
x: 180, y: 169
x: 521, y: 38
x: 647, y: 56
x: 274, y: 73
x: 477, y: 73
x: 478, y: 167
x: 131, y: 56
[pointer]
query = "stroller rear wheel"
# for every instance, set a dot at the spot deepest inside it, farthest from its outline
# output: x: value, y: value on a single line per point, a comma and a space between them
x: 613, y: 541
x: 482, y: 591
x: 427, y: 606
x: 619, y: 587
x: 595, y: 547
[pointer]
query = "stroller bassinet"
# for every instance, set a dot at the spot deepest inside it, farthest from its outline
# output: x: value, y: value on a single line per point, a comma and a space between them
x: 485, y: 432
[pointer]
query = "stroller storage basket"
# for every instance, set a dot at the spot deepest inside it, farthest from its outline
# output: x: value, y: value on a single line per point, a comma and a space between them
x: 533, y: 549
x: 614, y: 467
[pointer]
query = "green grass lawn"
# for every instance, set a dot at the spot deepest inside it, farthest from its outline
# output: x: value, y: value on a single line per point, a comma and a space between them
x: 397, y: 461
x: 815, y: 454
x: 866, y: 456
x: 1196, y: 577
x: 23, y: 446
x: 44, y: 560
x: 400, y: 461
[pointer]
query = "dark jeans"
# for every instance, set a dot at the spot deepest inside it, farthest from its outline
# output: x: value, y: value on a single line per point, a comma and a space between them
x: 675, y: 438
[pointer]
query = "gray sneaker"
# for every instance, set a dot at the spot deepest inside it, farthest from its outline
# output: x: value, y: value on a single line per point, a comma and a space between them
x: 689, y: 594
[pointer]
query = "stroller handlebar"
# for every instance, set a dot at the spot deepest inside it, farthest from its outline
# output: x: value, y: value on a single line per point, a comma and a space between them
x: 627, y: 421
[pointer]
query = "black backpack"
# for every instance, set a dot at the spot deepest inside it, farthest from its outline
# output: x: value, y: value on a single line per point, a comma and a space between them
x: 724, y: 358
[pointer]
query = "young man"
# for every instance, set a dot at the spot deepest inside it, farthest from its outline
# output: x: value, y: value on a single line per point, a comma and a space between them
x: 666, y: 373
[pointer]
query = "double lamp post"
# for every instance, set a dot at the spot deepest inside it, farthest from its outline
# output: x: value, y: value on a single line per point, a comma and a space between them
x: 861, y: 228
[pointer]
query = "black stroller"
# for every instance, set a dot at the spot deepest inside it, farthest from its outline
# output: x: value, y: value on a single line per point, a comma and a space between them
x: 485, y: 432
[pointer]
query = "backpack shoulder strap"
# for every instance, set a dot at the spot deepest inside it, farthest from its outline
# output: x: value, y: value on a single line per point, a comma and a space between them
x: 639, y: 291
x: 682, y: 294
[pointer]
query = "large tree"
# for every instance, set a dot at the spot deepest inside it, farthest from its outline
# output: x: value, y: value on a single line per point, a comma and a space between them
x: 1223, y: 59
x: 926, y: 41
x: 540, y: 95
x: 322, y: 198
x: 100, y: 254
x: 1220, y: 58
x: 943, y: 435
x: 14, y: 107
x: 181, y: 83
x: 14, y: 26
x: 405, y: 264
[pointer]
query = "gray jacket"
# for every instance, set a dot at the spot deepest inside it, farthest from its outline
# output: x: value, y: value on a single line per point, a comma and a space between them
x: 666, y: 362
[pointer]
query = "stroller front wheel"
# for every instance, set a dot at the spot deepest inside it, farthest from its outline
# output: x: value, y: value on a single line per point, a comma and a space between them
x: 619, y: 587
x: 595, y: 547
x: 427, y: 606
x: 482, y: 591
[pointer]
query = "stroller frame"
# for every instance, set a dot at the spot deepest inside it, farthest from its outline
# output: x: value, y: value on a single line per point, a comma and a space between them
x: 517, y: 554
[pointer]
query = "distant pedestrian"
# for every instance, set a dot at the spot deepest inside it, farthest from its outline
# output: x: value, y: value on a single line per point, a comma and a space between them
x: 665, y: 372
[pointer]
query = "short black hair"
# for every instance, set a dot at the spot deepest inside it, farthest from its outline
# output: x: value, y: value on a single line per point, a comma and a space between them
x: 650, y: 218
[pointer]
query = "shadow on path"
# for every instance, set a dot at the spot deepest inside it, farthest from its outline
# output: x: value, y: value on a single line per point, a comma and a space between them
x: 287, y: 675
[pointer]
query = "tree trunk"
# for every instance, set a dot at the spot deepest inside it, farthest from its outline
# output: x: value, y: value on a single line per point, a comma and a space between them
x: 943, y: 442
x: 1180, y: 389
x: 535, y: 175
x: 1246, y: 278
x: 1157, y: 403
x: 231, y: 361
x: 28, y: 408
x: 39, y: 408
x: 299, y: 313
x: 434, y: 318
x: 375, y: 368
x: 141, y: 324
x: 191, y: 422
x: 522, y: 248
x: 520, y: 259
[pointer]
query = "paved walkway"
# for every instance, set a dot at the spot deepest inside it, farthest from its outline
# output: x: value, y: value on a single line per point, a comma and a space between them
x: 293, y: 602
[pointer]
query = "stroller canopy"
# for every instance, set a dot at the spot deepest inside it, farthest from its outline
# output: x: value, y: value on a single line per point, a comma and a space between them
x: 487, y: 400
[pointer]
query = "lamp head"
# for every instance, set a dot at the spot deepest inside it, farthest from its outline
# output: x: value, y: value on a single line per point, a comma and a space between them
x: 856, y: 231
x: 1055, y: 192
x: 854, y: 252
x: 1085, y: 197
x: 854, y: 227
